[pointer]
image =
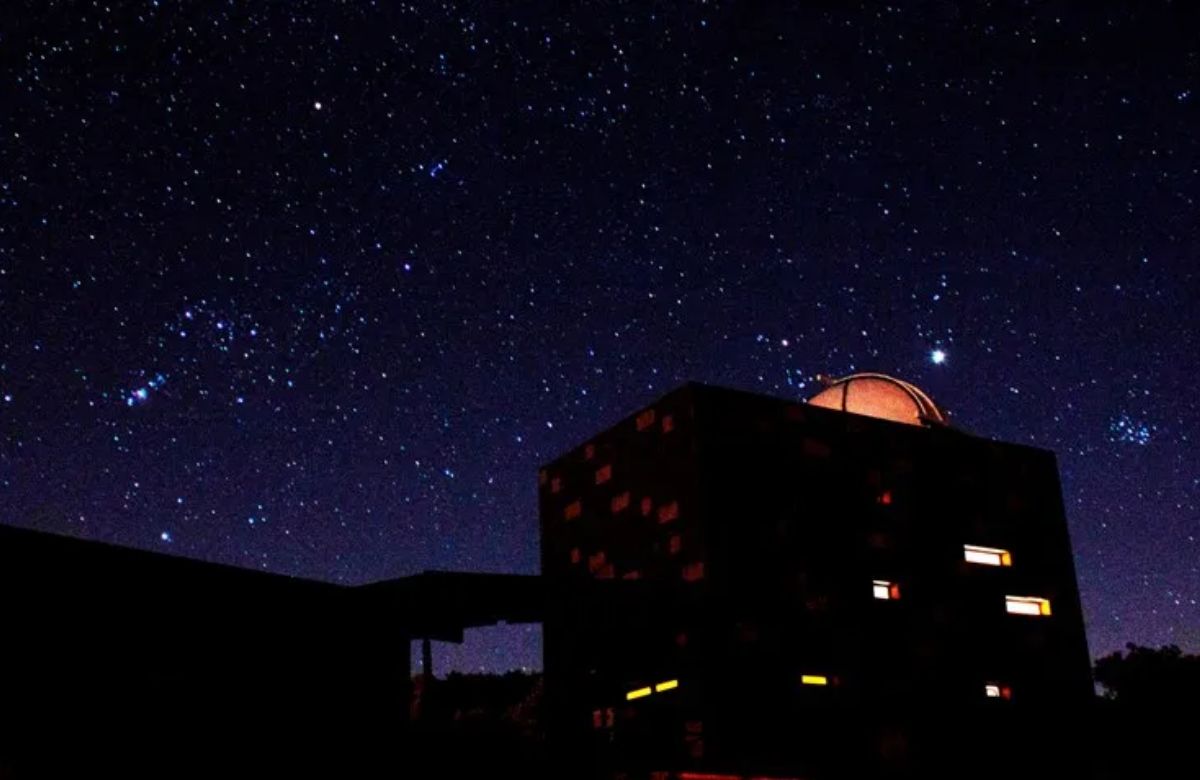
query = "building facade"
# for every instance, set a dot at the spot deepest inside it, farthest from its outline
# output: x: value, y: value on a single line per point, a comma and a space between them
x: 844, y: 588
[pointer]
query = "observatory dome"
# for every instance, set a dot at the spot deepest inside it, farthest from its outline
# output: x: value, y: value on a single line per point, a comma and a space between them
x: 882, y: 396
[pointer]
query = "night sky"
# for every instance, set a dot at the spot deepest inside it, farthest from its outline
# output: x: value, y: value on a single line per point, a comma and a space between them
x: 315, y: 287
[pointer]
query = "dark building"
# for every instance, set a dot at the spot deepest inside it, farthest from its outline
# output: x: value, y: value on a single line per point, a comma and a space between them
x: 844, y: 588
x: 733, y: 586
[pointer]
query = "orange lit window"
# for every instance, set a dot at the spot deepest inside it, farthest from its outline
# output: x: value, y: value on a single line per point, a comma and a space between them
x: 620, y: 502
x: 647, y: 506
x: 997, y: 691
x: 885, y: 591
x: 573, y: 510
x: 575, y: 555
x: 603, y: 474
x: 814, y: 679
x: 668, y: 423
x: 693, y: 571
x: 986, y: 556
x: 645, y: 419
x: 674, y: 544
x: 589, y: 451
x: 555, y: 485
x: 668, y: 512
x: 1027, y: 605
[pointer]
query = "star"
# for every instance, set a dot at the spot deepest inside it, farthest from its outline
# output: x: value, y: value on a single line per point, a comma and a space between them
x: 937, y: 357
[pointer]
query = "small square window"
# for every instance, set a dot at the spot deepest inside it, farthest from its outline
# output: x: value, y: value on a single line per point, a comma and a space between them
x: 885, y: 590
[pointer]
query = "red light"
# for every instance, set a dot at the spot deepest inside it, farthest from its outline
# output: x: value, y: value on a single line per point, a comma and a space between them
x: 647, y: 506
x: 589, y: 451
x: 573, y: 510
x: 575, y: 555
x: 555, y: 485
x: 597, y: 719
x: 1005, y: 692
x: 674, y: 544
x: 668, y: 423
x: 645, y: 419
x: 668, y: 512
x: 894, y: 592
x: 596, y: 561
x: 885, y: 498
x: 620, y: 502
x: 603, y: 474
x: 632, y: 575
x: 606, y: 573
x: 693, y: 571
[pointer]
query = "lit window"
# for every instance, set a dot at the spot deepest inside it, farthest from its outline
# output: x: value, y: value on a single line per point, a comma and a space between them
x: 647, y: 506
x: 555, y: 485
x: 639, y: 693
x: 620, y: 502
x: 666, y: 685
x: 814, y: 679
x: 632, y: 575
x: 575, y: 555
x: 885, y: 498
x: 668, y: 423
x: 1027, y: 605
x: 668, y: 512
x: 997, y: 691
x: 603, y: 474
x: 987, y: 556
x: 645, y: 419
x: 693, y: 571
x: 674, y: 544
x: 573, y: 510
x: 589, y: 451
x: 885, y: 591
x: 596, y: 561
x: 597, y: 719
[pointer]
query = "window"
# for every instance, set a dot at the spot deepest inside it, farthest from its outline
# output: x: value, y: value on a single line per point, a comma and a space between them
x: 575, y: 555
x: 647, y: 506
x: 620, y: 502
x: 674, y: 544
x: 693, y: 572
x: 589, y: 451
x: 997, y: 691
x: 986, y: 556
x: 555, y: 485
x: 885, y: 591
x: 668, y: 423
x: 573, y: 510
x: 814, y: 679
x: 668, y: 512
x: 639, y: 693
x: 603, y: 474
x: 1027, y: 605
x: 666, y: 685
x: 645, y: 419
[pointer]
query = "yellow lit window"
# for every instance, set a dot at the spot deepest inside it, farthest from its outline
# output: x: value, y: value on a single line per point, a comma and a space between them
x: 639, y: 693
x: 1027, y: 605
x: 814, y: 679
x: 884, y: 590
x: 986, y: 556
x: 666, y: 685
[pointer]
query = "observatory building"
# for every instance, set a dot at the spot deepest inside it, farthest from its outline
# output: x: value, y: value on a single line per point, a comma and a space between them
x: 844, y: 588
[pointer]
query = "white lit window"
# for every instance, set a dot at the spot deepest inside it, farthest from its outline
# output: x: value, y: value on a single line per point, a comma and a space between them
x: 1027, y: 605
x: 885, y: 590
x: 997, y: 691
x: 987, y: 556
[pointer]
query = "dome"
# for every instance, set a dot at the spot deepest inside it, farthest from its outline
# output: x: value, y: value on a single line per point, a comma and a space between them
x: 882, y: 396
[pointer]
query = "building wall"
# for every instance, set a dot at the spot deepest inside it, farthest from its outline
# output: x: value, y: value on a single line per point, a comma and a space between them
x: 767, y: 525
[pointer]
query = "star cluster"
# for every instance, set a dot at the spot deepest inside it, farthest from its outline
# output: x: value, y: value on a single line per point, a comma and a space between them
x: 316, y: 287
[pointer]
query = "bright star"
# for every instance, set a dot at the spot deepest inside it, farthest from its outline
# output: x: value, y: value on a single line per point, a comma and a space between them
x: 938, y: 357
x: 317, y: 105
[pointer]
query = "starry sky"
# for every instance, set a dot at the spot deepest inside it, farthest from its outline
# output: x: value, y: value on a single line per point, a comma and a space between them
x: 315, y: 287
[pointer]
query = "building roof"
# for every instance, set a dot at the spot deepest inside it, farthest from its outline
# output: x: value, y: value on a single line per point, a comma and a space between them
x: 881, y: 396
